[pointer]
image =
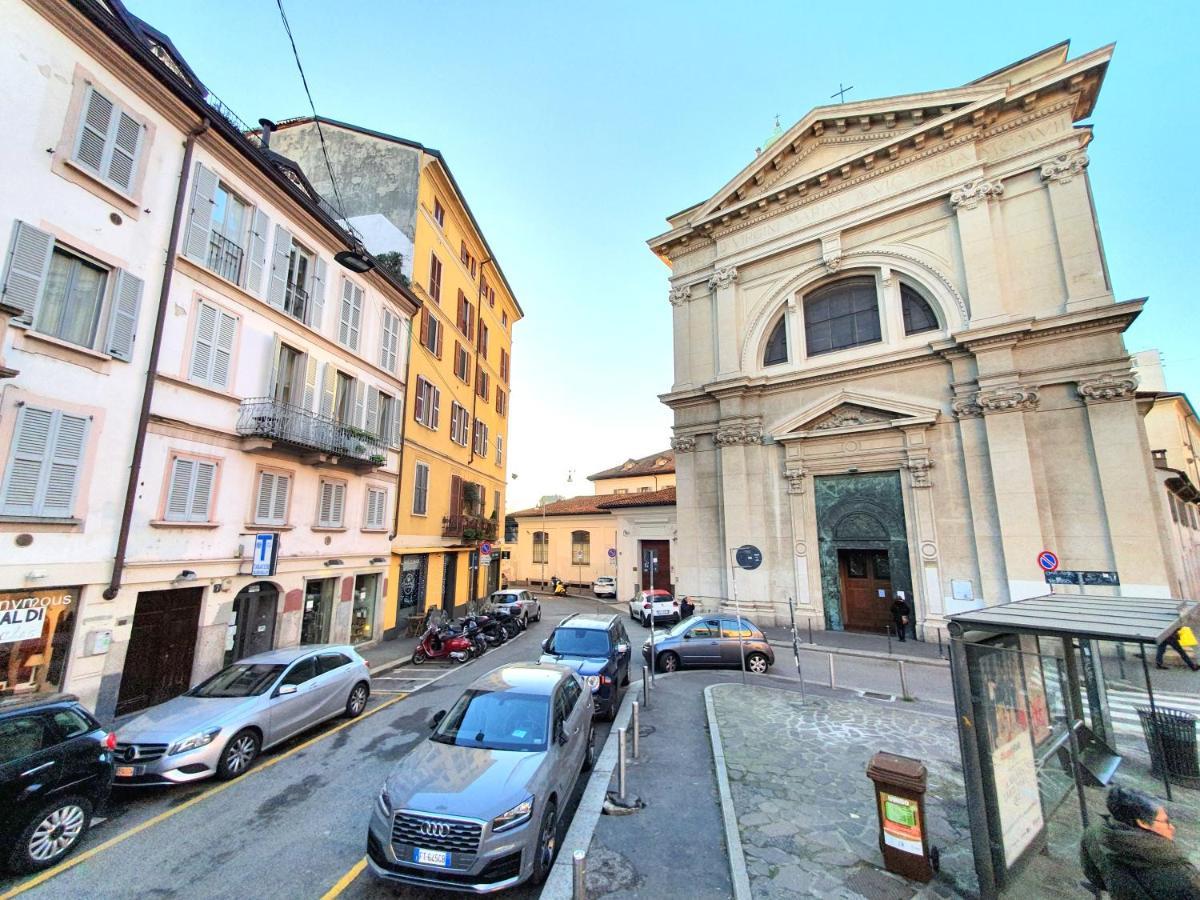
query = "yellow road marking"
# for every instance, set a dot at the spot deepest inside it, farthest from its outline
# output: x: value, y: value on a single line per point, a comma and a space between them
x: 73, y: 861
x: 344, y: 881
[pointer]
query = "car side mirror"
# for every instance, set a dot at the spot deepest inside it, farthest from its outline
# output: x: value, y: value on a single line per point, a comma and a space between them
x: 687, y: 636
x: 285, y: 689
x: 437, y: 718
x: 622, y: 649
x: 546, y: 645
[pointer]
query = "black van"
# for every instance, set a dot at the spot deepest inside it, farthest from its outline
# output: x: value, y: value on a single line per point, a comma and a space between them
x: 56, y: 769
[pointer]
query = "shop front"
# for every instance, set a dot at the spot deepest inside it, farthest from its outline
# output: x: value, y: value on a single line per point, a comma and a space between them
x: 36, y: 629
x: 366, y: 601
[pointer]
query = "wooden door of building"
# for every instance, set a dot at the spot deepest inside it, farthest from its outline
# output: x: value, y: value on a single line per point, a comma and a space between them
x: 158, y: 662
x: 866, y: 578
x: 658, y: 552
x: 253, y: 621
x: 449, y: 582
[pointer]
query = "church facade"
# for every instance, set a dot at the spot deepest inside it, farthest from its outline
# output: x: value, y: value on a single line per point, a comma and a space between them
x: 899, y: 363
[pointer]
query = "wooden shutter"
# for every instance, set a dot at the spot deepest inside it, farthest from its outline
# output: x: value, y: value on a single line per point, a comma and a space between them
x: 182, y: 471
x: 266, y: 496
x: 419, y: 401
x: 122, y: 320
x: 283, y: 484
x: 420, y: 488
x: 397, y: 419
x: 93, y: 131
x: 359, y: 407
x: 325, y: 510
x: 437, y: 351
x: 25, y: 275
x: 456, y: 495
x: 339, y: 503
x: 328, y: 390
x: 436, y: 396
x: 425, y: 328
x: 42, y: 475
x: 316, y: 306
x: 277, y: 285
x: 257, y: 250
x: 203, y: 342
x: 223, y: 352
x: 372, y: 411
x: 356, y: 306
x: 345, y: 317
x: 122, y: 163
x: 195, y: 245
x: 310, y: 382
x: 198, y: 509
x: 273, y: 367
x: 389, y: 341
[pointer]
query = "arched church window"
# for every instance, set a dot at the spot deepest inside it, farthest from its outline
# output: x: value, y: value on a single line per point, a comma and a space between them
x: 776, y: 351
x: 840, y: 315
x: 918, y: 314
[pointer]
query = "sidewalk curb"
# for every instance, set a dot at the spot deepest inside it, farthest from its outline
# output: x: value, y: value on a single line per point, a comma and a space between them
x: 865, y: 654
x: 583, y: 825
x: 733, y: 838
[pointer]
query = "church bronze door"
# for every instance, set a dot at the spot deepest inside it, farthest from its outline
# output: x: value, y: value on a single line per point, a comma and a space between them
x: 866, y: 580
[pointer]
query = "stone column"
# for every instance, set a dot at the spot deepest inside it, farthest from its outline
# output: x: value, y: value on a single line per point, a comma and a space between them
x: 927, y: 581
x: 681, y: 339
x: 1127, y: 484
x: 743, y: 510
x: 1075, y: 227
x: 722, y: 283
x: 1003, y: 410
x: 981, y: 260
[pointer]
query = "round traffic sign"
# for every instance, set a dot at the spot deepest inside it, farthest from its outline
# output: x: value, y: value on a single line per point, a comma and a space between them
x: 748, y: 556
x: 485, y: 548
x: 612, y: 552
x: 1048, y: 560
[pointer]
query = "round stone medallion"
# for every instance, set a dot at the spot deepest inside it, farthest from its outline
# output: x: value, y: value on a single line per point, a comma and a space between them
x: 929, y: 550
x: 801, y: 548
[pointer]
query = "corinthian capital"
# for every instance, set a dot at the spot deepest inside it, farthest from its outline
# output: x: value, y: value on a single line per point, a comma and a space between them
x: 729, y: 435
x: 723, y: 277
x: 680, y: 294
x: 1063, y: 168
x: 1007, y: 399
x: 683, y: 444
x: 975, y: 192
x: 1107, y: 387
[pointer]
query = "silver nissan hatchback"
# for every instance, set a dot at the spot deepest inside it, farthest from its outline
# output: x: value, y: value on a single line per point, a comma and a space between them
x: 476, y: 807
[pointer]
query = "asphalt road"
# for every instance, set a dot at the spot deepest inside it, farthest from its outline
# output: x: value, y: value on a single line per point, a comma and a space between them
x: 295, y: 825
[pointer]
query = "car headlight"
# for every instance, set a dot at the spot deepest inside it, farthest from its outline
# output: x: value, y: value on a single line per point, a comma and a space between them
x: 593, y: 681
x: 518, y: 815
x: 199, y: 739
x: 385, y: 802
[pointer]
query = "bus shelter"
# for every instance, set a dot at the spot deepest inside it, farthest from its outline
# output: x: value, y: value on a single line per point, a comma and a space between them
x: 1032, y: 713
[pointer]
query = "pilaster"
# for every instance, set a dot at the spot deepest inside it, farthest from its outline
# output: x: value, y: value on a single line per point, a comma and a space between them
x: 722, y: 283
x: 974, y: 207
x: 680, y: 297
x: 1075, y: 228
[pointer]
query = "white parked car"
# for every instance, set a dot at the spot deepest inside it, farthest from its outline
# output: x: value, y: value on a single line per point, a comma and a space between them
x: 654, y: 606
x: 520, y: 603
x: 605, y: 586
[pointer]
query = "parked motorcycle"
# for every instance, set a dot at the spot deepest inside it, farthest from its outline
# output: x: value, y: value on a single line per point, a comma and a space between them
x: 441, y: 643
x: 560, y: 587
x: 494, y: 631
x: 512, y: 620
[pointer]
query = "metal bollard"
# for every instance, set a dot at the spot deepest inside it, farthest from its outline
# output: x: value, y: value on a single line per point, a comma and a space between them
x: 832, y: 683
x: 903, y: 682
x: 941, y: 654
x: 621, y: 764
x: 889, y: 634
x: 637, y: 728
x: 810, y: 629
x: 645, y: 688
x: 579, y: 875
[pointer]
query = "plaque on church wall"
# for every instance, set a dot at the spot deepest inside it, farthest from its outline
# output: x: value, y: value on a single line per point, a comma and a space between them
x: 962, y: 589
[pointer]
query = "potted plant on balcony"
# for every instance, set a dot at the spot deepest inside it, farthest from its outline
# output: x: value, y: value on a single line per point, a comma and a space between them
x: 378, y: 459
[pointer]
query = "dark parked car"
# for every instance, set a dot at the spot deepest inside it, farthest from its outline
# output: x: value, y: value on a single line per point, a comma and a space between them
x: 597, y: 647
x: 56, y: 769
x: 711, y: 641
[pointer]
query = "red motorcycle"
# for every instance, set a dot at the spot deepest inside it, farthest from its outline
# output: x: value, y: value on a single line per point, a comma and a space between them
x: 441, y: 643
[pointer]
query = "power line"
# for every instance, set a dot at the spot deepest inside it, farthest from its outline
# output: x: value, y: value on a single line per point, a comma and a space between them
x: 320, y: 134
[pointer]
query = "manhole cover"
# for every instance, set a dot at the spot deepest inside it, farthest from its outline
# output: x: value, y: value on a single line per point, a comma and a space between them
x: 875, y: 695
x: 645, y: 730
x: 877, y: 884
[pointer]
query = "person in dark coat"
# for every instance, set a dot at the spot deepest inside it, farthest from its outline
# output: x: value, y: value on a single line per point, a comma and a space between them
x: 901, y: 612
x: 686, y: 608
x: 1132, y: 854
x: 1173, y: 641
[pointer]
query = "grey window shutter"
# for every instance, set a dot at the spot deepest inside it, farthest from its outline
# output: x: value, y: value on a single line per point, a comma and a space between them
x: 273, y: 368
x: 360, y: 404
x: 258, y: 251
x: 127, y: 139
x: 203, y: 342
x: 372, y: 410
x: 344, y: 317
x: 397, y: 419
x: 283, y: 484
x: 388, y: 339
x: 356, y: 304
x: 316, y: 306
x: 66, y: 460
x: 223, y: 351
x: 93, y: 130
x: 339, y: 504
x: 28, y: 262
x: 198, y: 510
x: 122, y: 322
x: 277, y: 285
x: 310, y: 383
x: 195, y: 245
x: 328, y: 389
x: 28, y: 460
x: 437, y: 399
x: 266, y: 496
x: 182, y: 472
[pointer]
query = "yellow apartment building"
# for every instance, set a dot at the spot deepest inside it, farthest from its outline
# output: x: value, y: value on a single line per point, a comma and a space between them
x: 402, y: 198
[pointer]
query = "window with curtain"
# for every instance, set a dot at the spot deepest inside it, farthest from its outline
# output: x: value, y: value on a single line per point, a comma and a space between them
x: 581, y: 548
x: 918, y: 314
x: 541, y: 542
x: 842, y: 315
x: 70, y: 307
x: 776, y: 351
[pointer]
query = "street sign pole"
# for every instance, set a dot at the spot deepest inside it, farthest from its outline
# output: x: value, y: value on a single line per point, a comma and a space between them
x: 738, y: 608
x: 796, y: 648
x: 653, y: 557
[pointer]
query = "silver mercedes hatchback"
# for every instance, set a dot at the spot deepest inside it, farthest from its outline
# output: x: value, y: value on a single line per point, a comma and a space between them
x: 221, y: 725
x: 476, y: 807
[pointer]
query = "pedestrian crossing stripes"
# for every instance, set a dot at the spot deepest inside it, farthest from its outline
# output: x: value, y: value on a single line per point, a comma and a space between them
x: 1123, y: 706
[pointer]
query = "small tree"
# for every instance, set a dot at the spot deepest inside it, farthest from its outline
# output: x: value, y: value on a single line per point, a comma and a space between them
x: 393, y: 262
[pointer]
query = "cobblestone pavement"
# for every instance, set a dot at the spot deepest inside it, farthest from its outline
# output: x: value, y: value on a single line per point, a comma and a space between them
x: 805, y: 807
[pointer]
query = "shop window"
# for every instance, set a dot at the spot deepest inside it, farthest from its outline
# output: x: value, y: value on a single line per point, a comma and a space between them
x: 36, y: 628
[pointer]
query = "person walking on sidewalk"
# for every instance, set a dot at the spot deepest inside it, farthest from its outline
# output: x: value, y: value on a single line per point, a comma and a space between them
x: 1173, y: 641
x: 1132, y: 854
x: 900, y: 613
x: 686, y: 608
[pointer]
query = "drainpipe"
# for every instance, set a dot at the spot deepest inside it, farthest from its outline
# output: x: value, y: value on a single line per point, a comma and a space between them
x: 139, y: 444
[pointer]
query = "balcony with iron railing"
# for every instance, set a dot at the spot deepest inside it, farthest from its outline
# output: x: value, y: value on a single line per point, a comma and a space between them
x: 321, y: 439
x: 224, y: 257
x: 469, y: 527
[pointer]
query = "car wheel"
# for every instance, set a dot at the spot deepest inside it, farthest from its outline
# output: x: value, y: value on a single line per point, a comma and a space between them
x: 757, y: 663
x: 547, y: 845
x: 625, y: 679
x: 668, y: 662
x: 645, y: 621
x: 418, y: 657
x: 52, y: 833
x: 239, y: 754
x: 357, y: 701
x: 589, y: 755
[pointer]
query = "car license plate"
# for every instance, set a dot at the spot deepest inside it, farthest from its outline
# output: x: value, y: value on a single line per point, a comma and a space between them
x: 128, y: 771
x: 431, y: 857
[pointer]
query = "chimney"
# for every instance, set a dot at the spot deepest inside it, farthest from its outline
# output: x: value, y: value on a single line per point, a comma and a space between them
x: 267, y: 128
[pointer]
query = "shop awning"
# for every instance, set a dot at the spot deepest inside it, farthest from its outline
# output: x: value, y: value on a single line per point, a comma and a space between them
x: 1143, y: 620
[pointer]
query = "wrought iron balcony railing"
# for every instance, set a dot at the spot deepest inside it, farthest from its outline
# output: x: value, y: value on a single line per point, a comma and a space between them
x: 479, y: 528
x: 224, y: 257
x: 269, y: 418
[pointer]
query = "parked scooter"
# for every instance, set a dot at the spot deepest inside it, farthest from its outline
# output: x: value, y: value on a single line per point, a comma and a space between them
x: 442, y: 643
x: 494, y: 631
x: 560, y: 587
x: 512, y: 621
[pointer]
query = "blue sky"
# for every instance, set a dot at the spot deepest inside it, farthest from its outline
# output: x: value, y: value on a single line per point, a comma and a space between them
x: 574, y: 129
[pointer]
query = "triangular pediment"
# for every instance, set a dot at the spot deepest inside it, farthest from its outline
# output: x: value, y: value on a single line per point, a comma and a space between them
x: 851, y: 411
